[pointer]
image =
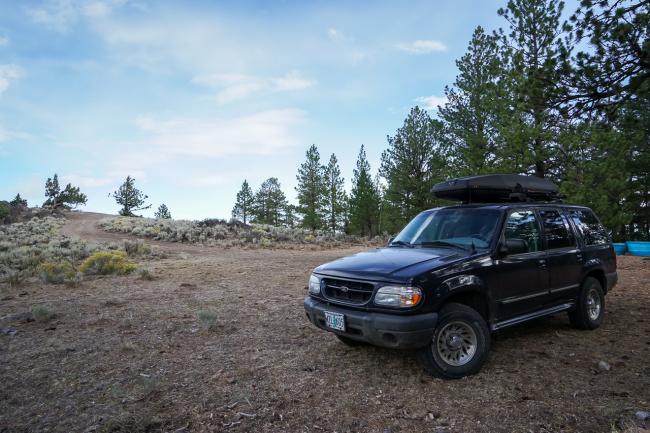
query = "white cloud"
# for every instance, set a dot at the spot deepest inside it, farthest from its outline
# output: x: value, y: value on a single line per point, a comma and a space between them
x: 233, y: 87
x: 261, y: 133
x: 8, y: 73
x: 335, y: 34
x: 196, y: 44
x: 4, y: 41
x: 431, y: 102
x: 291, y: 81
x: 422, y: 46
x: 59, y: 15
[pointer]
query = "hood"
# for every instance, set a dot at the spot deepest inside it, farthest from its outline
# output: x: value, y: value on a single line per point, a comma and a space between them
x: 391, y: 263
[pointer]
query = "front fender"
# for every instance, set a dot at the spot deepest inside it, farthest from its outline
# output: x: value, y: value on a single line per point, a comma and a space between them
x: 466, y: 284
x: 459, y: 284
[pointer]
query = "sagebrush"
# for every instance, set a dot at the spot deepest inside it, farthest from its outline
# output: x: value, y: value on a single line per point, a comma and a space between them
x: 37, y: 248
x: 220, y: 232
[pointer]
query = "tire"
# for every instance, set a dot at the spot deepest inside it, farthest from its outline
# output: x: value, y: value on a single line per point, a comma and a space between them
x: 460, y: 344
x: 590, y: 307
x: 349, y: 341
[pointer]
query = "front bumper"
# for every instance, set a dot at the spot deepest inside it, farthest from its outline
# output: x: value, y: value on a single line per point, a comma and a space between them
x: 386, y: 330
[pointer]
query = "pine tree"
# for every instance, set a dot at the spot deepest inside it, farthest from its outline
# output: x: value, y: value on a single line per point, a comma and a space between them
x: 364, y: 199
x: 163, y: 212
x: 335, y: 196
x: 615, y: 65
x: 535, y: 53
x: 599, y: 155
x: 130, y: 198
x: 270, y: 203
x: 243, y: 203
x: 476, y: 106
x: 411, y: 165
x: 69, y: 198
x: 289, y: 217
x: 311, y: 190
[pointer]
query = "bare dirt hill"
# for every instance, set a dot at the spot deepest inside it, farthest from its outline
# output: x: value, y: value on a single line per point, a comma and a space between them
x: 84, y: 226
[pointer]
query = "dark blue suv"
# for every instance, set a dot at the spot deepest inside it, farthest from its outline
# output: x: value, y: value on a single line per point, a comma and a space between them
x: 455, y: 274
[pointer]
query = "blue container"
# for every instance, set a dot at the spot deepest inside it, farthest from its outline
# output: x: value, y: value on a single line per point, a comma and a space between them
x: 638, y: 248
x: 619, y: 249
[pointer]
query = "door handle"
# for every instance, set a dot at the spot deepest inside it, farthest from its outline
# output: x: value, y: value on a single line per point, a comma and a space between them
x: 579, y: 257
x: 542, y: 263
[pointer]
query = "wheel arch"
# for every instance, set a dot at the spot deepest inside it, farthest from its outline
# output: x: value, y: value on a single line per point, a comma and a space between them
x: 598, y: 274
x: 468, y: 290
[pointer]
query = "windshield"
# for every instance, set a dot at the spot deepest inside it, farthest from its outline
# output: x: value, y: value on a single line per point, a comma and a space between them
x: 460, y: 228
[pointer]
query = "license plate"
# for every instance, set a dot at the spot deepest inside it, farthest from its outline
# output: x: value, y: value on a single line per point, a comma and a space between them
x: 335, y: 321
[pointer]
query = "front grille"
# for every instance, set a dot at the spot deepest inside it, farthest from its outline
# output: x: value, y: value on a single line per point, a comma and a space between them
x: 349, y: 292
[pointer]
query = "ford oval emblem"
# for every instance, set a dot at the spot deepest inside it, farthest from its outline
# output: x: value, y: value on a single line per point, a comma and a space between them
x: 344, y: 289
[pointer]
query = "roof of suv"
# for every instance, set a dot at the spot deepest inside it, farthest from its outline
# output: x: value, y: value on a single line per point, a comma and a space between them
x: 513, y: 204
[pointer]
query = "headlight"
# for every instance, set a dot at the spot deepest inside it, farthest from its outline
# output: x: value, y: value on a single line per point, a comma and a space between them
x: 398, y: 296
x: 314, y: 285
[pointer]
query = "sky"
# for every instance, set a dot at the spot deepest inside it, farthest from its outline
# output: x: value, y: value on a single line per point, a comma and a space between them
x: 192, y: 97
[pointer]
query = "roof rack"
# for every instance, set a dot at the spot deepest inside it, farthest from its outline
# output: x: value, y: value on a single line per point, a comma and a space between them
x: 497, y: 188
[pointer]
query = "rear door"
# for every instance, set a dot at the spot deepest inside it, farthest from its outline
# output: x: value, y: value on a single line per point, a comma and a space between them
x: 597, y: 251
x: 523, y: 278
x: 563, y: 255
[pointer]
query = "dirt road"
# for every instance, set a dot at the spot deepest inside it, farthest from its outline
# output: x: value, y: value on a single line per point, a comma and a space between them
x: 125, y: 354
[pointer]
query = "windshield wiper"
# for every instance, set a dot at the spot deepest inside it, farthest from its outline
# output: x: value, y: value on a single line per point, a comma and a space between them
x: 442, y: 244
x: 400, y: 243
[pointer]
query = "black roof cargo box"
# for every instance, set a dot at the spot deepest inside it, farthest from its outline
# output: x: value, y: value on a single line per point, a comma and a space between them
x: 496, y: 188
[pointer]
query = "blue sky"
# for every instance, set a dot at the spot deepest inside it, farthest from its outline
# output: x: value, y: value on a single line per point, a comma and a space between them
x: 192, y: 97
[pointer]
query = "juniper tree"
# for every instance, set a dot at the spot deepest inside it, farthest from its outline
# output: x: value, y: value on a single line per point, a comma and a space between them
x: 130, y: 198
x: 335, y: 196
x: 311, y: 190
x: 163, y: 212
x: 411, y: 165
x: 18, y: 201
x: 67, y: 198
x: 364, y: 199
x: 244, y: 203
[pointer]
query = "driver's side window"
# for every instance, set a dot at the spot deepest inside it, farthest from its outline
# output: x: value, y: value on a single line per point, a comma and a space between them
x: 522, y: 224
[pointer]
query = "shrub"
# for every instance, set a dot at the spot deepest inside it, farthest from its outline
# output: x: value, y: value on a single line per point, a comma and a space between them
x: 14, y: 278
x: 4, y: 210
x: 42, y: 313
x: 145, y: 274
x: 220, y: 232
x: 107, y: 262
x: 56, y: 272
x: 207, y: 318
x: 137, y: 248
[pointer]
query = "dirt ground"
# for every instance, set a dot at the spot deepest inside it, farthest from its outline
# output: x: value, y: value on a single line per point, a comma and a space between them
x: 126, y: 354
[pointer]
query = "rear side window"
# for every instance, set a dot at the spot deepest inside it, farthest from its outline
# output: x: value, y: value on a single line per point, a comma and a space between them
x: 556, y: 229
x: 522, y: 224
x: 592, y: 232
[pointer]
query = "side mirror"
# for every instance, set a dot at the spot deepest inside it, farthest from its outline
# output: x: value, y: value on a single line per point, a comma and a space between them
x: 513, y: 246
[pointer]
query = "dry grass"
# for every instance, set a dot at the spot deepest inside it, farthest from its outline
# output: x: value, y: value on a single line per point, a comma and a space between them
x: 126, y: 355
